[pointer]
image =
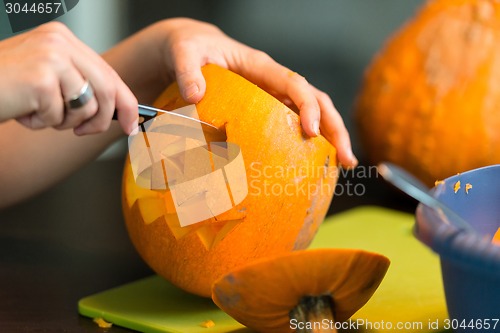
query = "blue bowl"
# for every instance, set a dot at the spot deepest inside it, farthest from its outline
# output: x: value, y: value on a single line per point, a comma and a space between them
x: 470, y: 263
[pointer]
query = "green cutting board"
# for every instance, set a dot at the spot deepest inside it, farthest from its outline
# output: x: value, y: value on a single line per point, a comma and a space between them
x: 411, y: 293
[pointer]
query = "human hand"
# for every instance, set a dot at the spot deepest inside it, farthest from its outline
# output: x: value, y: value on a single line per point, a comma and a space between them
x: 43, y: 68
x: 190, y: 44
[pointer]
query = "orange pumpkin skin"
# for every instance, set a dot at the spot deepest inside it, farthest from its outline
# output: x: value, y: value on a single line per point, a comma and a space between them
x: 265, y: 223
x: 429, y: 100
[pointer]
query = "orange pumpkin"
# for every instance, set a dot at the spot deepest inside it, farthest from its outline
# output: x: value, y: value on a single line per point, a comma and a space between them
x: 429, y: 100
x: 290, y: 178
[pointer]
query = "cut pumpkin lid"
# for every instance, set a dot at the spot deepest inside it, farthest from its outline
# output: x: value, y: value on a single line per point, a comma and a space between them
x: 305, y: 285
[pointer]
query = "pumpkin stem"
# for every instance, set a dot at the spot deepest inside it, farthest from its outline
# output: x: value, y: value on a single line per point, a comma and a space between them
x: 314, y: 314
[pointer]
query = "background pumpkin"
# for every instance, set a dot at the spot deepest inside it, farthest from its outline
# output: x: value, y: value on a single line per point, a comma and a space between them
x: 266, y: 222
x: 429, y: 100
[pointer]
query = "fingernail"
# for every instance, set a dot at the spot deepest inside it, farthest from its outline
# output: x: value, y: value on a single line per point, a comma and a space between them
x: 78, y: 131
x: 354, y: 161
x: 352, y: 158
x: 316, y: 127
x: 134, y: 131
x: 134, y: 127
x: 192, y: 90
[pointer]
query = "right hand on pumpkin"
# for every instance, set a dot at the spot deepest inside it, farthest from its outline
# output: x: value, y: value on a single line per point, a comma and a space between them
x: 187, y: 45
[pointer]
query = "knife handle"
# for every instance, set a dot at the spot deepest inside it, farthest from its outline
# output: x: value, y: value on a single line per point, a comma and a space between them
x: 144, y: 115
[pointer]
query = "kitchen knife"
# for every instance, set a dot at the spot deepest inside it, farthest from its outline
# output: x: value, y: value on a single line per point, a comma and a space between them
x: 147, y: 113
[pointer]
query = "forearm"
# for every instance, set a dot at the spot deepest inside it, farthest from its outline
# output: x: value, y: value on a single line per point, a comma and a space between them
x: 32, y: 161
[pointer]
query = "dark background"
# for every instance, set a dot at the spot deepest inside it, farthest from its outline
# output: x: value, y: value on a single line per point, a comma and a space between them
x: 70, y: 242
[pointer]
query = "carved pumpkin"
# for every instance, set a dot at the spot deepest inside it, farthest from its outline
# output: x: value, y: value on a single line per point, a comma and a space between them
x: 291, y: 180
x: 290, y: 292
x: 430, y: 99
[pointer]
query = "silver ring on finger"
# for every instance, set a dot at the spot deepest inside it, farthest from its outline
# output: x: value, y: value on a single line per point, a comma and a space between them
x: 83, y: 97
